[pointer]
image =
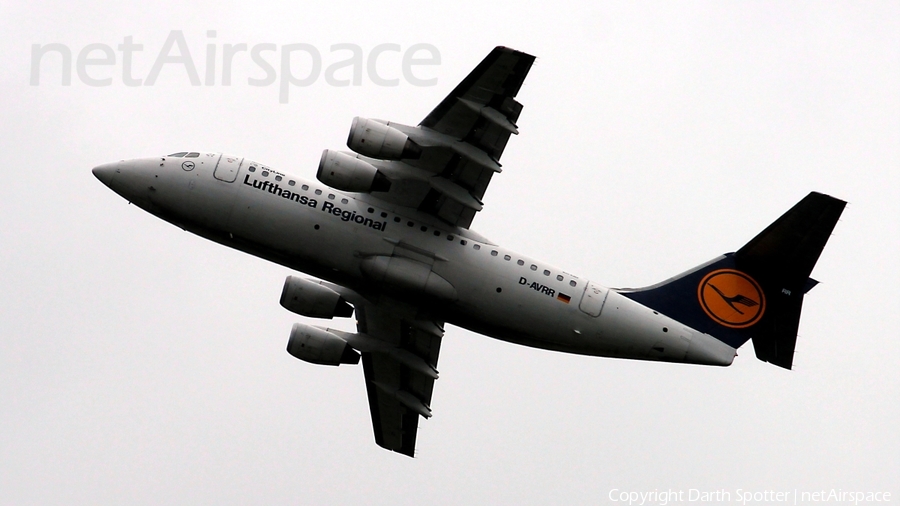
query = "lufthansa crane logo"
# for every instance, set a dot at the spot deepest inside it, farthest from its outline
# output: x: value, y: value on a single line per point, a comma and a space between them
x: 731, y: 298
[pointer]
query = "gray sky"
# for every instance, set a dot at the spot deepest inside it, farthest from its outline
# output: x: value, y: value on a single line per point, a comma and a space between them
x: 140, y: 364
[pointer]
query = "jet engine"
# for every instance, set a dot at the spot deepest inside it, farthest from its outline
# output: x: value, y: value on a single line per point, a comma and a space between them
x: 375, y: 139
x: 348, y: 173
x: 318, y: 346
x: 309, y: 298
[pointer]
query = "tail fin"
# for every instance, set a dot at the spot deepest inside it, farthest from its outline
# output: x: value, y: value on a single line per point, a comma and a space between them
x: 757, y: 292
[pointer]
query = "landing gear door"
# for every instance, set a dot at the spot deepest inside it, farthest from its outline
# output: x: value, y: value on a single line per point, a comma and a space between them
x: 227, y: 168
x: 593, y: 299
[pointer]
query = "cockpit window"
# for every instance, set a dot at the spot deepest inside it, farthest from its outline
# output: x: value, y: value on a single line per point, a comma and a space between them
x: 192, y: 155
x: 178, y: 155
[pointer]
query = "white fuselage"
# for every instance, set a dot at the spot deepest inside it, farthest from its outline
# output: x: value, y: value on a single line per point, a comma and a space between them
x: 312, y: 228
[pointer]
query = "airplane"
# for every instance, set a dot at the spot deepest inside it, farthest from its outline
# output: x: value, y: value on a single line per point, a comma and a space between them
x: 385, y: 232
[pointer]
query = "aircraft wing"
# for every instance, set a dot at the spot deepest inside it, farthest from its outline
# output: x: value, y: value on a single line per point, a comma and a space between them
x: 399, y: 355
x: 481, y: 110
x: 463, y: 139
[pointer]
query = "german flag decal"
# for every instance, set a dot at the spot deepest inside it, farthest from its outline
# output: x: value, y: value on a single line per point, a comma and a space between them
x: 563, y: 297
x: 731, y: 298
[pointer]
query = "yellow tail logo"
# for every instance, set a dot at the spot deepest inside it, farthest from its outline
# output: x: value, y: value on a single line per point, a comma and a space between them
x: 731, y: 298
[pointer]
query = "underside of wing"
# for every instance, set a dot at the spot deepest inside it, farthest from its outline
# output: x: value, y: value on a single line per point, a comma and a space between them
x: 396, y: 341
x: 442, y: 166
x: 399, y: 355
x: 481, y: 112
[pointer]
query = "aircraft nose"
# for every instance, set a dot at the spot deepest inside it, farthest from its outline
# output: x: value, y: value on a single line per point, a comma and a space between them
x: 106, y: 172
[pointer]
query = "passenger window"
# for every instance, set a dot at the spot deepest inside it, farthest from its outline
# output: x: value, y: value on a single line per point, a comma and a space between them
x: 291, y: 183
x: 265, y: 173
x: 533, y: 267
x: 192, y: 155
x: 463, y: 242
x: 493, y: 253
x: 277, y: 178
x: 178, y: 155
x: 559, y: 277
x: 546, y: 272
x: 437, y: 233
x: 449, y: 237
x: 252, y: 169
x: 423, y: 228
x: 520, y: 262
x: 507, y: 258
x: 330, y: 196
x: 345, y: 201
x: 409, y: 223
x: 396, y: 219
x: 384, y: 214
x: 305, y: 187
x: 318, y: 192
x: 572, y: 283
x: 477, y: 246
x: 370, y: 210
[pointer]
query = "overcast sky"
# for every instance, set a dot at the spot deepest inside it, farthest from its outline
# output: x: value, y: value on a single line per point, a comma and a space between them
x: 140, y: 364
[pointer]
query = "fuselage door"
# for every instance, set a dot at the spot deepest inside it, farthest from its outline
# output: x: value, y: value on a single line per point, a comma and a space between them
x: 227, y: 168
x: 593, y: 299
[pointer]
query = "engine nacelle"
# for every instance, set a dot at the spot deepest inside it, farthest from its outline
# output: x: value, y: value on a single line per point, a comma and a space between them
x: 318, y: 346
x: 348, y: 173
x: 377, y: 140
x: 309, y: 298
